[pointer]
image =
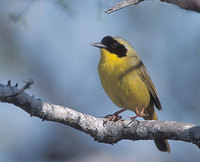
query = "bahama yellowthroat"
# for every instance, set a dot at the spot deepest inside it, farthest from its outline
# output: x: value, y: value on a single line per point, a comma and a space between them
x: 127, y: 82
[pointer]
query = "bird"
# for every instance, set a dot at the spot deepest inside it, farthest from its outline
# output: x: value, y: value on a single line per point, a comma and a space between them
x: 126, y: 81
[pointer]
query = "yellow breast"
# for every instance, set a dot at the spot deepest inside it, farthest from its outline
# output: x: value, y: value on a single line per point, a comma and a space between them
x: 126, y: 91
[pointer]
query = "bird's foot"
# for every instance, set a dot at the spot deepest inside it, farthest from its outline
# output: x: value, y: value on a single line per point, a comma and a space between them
x: 113, y: 117
x: 138, y: 114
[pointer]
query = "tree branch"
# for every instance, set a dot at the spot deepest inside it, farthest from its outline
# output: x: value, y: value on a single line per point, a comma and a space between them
x: 193, y: 5
x: 110, y: 133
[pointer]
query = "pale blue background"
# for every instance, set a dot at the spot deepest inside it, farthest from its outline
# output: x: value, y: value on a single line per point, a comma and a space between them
x: 50, y: 44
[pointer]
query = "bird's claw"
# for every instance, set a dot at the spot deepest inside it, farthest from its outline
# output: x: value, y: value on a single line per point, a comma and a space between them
x: 138, y: 114
x: 112, y: 117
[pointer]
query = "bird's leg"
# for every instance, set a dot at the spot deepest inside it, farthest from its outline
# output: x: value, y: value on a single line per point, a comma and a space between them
x: 138, y: 114
x: 115, y: 116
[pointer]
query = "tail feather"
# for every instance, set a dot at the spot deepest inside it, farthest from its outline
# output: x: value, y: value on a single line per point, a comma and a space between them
x: 161, y: 143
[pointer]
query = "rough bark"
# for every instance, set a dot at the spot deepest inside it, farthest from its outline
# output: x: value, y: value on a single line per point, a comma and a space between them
x: 111, y: 132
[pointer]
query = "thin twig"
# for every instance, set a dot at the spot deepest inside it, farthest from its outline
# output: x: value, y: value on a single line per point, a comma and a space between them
x: 122, y: 4
x: 26, y: 86
x: 193, y: 5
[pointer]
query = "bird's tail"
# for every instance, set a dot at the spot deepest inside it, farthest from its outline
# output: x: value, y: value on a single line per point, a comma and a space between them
x: 161, y: 143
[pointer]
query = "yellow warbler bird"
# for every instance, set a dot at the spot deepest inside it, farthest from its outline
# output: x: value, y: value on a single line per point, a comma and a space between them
x: 127, y: 82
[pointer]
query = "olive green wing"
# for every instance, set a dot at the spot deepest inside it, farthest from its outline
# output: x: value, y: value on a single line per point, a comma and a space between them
x: 148, y: 82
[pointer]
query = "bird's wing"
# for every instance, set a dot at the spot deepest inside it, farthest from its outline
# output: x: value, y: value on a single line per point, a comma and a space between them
x: 148, y: 82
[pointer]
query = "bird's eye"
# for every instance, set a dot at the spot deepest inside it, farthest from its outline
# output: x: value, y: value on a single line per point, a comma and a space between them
x: 114, y: 45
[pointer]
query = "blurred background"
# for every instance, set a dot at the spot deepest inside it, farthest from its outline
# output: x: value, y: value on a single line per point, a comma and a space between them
x: 49, y: 42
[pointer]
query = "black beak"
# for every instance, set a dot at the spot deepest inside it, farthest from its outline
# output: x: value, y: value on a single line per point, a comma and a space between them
x: 99, y: 45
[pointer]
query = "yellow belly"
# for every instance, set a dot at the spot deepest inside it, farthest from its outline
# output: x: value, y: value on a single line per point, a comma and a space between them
x: 127, y: 92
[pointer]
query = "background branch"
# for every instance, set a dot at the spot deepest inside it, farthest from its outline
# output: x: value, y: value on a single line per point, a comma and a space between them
x: 193, y: 5
x: 110, y: 133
